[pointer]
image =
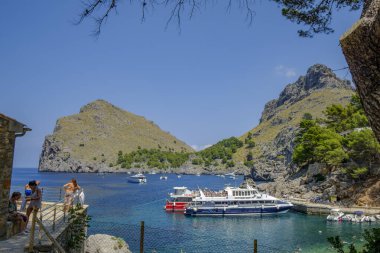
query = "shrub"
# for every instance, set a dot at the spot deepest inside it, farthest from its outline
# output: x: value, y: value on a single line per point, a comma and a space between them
x: 319, y: 177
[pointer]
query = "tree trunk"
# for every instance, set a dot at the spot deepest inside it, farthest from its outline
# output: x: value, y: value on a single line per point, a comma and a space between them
x: 361, y: 47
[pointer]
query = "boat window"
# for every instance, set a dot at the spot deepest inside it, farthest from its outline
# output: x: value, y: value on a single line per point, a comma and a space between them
x: 218, y: 203
x: 254, y: 202
x: 234, y: 193
x: 261, y: 201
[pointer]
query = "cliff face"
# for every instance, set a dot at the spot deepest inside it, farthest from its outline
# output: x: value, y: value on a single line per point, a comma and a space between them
x: 89, y: 141
x: 318, y: 77
x: 275, y: 135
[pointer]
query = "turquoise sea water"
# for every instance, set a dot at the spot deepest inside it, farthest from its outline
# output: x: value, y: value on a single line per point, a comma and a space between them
x: 117, y: 207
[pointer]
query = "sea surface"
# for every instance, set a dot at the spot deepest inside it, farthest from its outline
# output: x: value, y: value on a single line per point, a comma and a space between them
x: 118, y: 207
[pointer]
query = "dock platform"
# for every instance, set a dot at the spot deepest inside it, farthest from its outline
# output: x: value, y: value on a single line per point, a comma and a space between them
x: 308, y: 207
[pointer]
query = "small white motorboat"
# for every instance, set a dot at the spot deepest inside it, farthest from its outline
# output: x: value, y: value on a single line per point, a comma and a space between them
x: 335, y: 215
x: 358, y: 217
x: 348, y: 217
x: 138, y: 178
x: 369, y: 219
x: 377, y: 216
x: 179, y: 176
x: 231, y: 174
x: 163, y: 177
x: 198, y: 174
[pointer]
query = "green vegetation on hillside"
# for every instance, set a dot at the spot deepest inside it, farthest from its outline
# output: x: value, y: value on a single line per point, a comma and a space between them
x: 291, y: 115
x: 153, y: 158
x: 342, y: 135
x: 223, y: 150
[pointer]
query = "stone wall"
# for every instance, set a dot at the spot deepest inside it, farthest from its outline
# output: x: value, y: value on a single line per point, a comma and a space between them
x: 7, y: 142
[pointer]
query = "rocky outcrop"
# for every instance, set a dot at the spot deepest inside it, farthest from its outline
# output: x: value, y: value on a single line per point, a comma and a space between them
x: 55, y: 157
x: 275, y: 135
x: 317, y: 77
x: 322, y: 184
x: 90, y: 140
x: 102, y: 243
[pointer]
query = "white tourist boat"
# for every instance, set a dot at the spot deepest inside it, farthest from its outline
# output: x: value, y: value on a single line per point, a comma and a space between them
x: 138, y: 178
x: 235, y: 201
x: 335, y: 215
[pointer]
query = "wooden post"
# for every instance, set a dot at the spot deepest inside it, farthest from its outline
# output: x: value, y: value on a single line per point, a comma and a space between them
x: 39, y: 228
x: 255, y: 246
x: 54, y: 216
x: 142, y: 237
x: 31, y: 237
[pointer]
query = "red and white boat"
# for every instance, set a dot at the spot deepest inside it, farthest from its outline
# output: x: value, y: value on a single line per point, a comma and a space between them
x: 179, y: 199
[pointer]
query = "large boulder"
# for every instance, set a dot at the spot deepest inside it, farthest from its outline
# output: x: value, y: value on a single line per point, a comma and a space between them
x: 102, y: 243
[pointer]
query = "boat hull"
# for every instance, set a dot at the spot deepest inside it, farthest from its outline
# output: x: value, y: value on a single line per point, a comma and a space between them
x: 136, y: 180
x: 175, y: 206
x: 235, y: 211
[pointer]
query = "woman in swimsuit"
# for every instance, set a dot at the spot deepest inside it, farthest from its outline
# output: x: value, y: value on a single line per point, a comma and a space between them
x: 70, y: 189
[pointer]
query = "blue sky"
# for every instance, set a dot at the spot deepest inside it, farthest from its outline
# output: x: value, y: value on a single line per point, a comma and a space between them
x: 208, y: 82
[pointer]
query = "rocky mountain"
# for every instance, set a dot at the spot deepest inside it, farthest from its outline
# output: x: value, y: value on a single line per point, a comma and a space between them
x: 90, y: 140
x: 274, y: 136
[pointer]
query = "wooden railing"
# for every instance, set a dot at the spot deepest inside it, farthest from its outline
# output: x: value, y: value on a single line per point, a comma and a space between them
x: 50, y: 217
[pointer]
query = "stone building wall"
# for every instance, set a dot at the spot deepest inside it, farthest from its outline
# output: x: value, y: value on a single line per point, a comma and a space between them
x: 7, y: 142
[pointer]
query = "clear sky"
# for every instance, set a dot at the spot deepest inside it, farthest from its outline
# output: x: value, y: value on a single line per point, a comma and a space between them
x: 206, y: 83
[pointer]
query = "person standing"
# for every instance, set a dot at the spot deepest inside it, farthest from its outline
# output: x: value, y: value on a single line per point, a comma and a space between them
x: 35, y: 198
x: 70, y: 189
x: 28, y: 192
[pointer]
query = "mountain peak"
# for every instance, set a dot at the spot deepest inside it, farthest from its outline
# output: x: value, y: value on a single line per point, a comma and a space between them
x: 96, y: 105
x: 317, y: 77
x: 321, y: 76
